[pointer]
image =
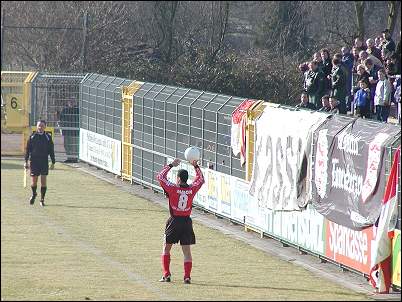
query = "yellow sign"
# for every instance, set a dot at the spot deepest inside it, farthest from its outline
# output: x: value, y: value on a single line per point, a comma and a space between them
x: 14, y: 111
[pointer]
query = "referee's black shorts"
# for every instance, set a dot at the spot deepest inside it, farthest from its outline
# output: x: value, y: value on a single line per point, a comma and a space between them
x: 39, y: 167
x: 179, y: 229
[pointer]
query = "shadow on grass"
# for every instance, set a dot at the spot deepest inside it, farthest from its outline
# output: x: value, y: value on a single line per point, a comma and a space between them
x: 12, y: 166
x: 106, y: 208
x: 216, y: 284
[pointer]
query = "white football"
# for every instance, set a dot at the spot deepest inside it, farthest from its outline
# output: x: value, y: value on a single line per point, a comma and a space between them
x: 192, y: 153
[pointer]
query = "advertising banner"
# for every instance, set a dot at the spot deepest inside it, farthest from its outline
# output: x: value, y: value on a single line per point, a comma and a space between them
x: 348, y: 158
x: 282, y: 157
x: 305, y: 229
x: 240, y: 198
x: 100, y: 150
x: 225, y: 194
x: 349, y: 247
x: 213, y: 187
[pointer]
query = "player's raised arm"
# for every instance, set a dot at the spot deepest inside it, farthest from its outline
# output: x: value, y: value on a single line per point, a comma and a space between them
x: 162, y: 175
x: 199, y: 177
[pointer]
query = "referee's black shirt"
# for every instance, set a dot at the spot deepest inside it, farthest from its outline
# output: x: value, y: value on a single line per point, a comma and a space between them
x: 39, y: 147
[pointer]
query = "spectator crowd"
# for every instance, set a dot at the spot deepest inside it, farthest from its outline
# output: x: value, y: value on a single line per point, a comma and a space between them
x: 363, y: 81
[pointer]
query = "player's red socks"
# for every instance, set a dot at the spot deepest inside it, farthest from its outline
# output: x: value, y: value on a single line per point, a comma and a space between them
x: 188, y: 264
x: 165, y: 264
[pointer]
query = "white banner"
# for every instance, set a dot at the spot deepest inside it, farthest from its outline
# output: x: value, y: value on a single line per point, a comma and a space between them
x: 282, y: 158
x: 100, y: 150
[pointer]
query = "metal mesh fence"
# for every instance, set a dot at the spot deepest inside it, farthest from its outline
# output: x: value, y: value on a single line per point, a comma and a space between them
x: 101, y: 98
x: 169, y: 119
x: 55, y: 98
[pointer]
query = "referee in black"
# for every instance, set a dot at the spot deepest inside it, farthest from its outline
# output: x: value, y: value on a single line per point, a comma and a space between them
x: 39, y: 147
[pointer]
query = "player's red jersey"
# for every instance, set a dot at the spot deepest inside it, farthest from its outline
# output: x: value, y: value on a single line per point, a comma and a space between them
x: 180, y: 198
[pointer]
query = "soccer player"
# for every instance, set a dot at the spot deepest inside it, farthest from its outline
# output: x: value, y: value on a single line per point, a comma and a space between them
x: 39, y: 147
x: 179, y: 226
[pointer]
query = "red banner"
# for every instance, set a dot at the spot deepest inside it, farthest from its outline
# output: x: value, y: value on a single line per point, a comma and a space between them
x: 349, y: 247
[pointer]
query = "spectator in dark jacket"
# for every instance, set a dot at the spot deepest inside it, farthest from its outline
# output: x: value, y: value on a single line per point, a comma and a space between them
x: 372, y: 70
x: 347, y: 61
x: 318, y: 59
x: 372, y: 50
x: 304, y: 103
x: 327, y: 69
x: 338, y: 84
x: 393, y: 67
x: 69, y: 123
x: 388, y: 45
x: 315, y: 84
x: 334, y: 103
x: 326, y: 107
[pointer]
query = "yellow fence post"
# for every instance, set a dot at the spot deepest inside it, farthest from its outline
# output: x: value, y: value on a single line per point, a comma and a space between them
x: 127, y: 127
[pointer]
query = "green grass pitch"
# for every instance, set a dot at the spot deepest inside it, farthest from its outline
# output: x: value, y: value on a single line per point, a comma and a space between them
x: 95, y: 242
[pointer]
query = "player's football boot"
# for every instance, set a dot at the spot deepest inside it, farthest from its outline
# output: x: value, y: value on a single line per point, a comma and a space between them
x: 32, y: 199
x: 187, y: 280
x: 165, y: 279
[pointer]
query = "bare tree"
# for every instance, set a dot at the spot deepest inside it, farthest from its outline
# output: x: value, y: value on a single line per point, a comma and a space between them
x: 394, y: 9
x: 359, y: 8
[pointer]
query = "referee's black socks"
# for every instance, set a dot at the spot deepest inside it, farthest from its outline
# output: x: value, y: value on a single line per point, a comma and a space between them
x: 43, y: 192
x: 33, y: 190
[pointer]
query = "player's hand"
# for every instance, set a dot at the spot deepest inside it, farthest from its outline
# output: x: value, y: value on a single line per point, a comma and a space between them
x: 26, y: 165
x: 176, y: 162
x: 52, y: 166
